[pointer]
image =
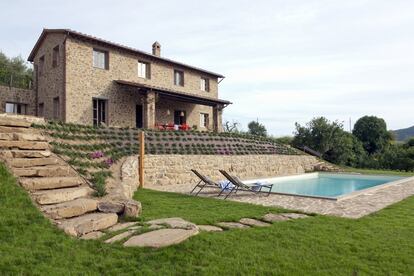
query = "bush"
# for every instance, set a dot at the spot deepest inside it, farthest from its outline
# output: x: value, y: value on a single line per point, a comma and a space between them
x: 99, y: 181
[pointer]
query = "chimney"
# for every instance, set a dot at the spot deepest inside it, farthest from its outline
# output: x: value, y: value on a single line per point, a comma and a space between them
x: 156, y: 49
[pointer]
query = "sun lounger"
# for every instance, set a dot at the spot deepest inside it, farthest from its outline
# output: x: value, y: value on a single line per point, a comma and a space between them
x: 204, y: 182
x: 240, y: 186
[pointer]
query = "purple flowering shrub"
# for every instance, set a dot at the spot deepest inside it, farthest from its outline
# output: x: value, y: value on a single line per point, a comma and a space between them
x: 97, y: 154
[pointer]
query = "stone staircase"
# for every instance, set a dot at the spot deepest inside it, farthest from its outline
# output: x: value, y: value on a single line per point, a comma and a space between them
x: 55, y: 187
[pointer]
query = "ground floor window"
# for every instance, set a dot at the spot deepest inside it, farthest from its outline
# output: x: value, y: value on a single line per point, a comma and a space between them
x: 204, y: 120
x: 56, y: 108
x: 16, y: 108
x: 179, y: 117
x: 99, y: 111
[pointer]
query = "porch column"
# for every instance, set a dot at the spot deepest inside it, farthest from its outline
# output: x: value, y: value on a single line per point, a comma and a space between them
x: 217, y: 120
x: 149, y: 110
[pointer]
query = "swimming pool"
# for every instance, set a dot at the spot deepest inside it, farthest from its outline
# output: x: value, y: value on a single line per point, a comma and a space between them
x: 327, y: 185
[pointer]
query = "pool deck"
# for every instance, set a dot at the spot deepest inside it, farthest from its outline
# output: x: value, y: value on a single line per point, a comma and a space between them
x: 362, y: 204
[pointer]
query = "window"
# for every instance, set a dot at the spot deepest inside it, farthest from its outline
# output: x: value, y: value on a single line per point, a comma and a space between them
x: 180, y: 117
x: 41, y: 65
x: 55, y: 57
x: 178, y: 77
x: 204, y: 120
x: 100, y: 59
x: 144, y: 70
x: 16, y: 108
x: 99, y: 111
x: 56, y: 108
x: 204, y: 84
x: 41, y: 111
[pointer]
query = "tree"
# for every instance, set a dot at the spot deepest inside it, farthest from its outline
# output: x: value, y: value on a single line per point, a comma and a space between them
x: 329, y: 138
x: 373, y: 134
x: 256, y: 128
x: 15, y: 72
x: 318, y: 134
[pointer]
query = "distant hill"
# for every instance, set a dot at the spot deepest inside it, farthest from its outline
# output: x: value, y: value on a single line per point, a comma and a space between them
x: 404, y: 134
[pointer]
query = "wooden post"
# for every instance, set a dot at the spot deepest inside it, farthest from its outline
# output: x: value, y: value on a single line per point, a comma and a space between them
x: 141, y: 158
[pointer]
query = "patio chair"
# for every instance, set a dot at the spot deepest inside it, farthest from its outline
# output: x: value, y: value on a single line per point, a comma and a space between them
x: 204, y: 182
x: 240, y: 186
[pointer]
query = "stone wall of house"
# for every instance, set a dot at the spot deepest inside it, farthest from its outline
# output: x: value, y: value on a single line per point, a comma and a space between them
x: 49, y: 81
x: 175, y: 169
x: 17, y: 95
x: 84, y: 82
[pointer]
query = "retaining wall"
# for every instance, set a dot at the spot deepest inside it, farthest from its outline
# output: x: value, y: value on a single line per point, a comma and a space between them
x: 175, y: 169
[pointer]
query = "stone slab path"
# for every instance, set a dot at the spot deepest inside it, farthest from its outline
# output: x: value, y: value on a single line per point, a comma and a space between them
x: 179, y: 230
x: 161, y: 238
x: 254, y: 222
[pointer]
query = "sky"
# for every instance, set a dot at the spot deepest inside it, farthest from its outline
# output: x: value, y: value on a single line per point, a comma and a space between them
x: 284, y: 61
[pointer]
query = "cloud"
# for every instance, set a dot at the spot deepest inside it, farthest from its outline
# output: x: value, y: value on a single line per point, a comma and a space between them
x: 284, y: 61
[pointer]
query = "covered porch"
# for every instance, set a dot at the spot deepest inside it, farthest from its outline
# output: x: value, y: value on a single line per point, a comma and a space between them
x: 167, y: 109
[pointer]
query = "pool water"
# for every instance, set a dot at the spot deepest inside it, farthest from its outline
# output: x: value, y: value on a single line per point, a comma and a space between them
x: 326, y: 184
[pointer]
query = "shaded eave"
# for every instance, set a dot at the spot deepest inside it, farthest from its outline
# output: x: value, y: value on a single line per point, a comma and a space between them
x: 79, y: 35
x: 169, y: 93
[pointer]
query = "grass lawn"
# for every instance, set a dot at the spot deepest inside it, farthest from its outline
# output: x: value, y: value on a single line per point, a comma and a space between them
x: 379, y: 244
x: 371, y: 171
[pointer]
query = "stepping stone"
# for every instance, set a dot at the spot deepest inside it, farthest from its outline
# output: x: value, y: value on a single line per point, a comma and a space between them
x: 121, y: 226
x: 61, y: 195
x: 155, y: 227
x: 175, y: 223
x: 161, y: 238
x: 135, y: 227
x: 32, y: 162
x: 70, y: 209
x: 120, y: 236
x: 253, y: 222
x: 232, y: 225
x: 209, y: 228
x: 92, y: 235
x: 79, y: 226
x: 24, y: 145
x: 45, y: 183
x: 294, y: 215
x: 274, y: 217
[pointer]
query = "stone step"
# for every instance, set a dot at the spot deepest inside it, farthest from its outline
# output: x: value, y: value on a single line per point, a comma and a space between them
x: 71, y: 209
x: 46, y: 183
x: 9, y: 122
x: 61, y: 195
x: 30, y: 153
x: 29, y: 137
x: 44, y: 171
x: 84, y: 224
x: 32, y: 162
x: 24, y: 145
x: 7, y: 129
x: 25, y: 136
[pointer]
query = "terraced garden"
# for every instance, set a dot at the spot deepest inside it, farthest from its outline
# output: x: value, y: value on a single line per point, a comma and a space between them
x: 92, y: 150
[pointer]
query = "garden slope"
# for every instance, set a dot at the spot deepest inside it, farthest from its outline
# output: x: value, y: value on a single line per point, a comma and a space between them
x: 379, y: 244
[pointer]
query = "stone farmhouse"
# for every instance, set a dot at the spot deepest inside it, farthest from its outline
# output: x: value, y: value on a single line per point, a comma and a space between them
x: 82, y: 79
